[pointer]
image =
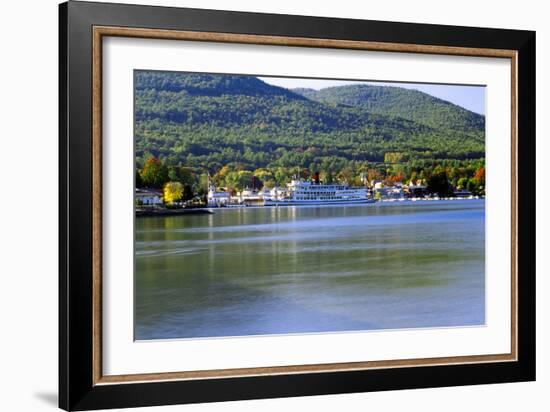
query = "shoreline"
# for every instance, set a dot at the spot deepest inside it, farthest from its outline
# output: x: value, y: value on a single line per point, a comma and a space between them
x: 173, y: 212
x: 210, y: 210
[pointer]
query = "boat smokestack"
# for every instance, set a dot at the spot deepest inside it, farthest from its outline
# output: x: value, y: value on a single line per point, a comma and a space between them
x: 316, y: 178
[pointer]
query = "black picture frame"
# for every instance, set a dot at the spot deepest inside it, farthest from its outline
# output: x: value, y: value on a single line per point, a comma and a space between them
x: 77, y: 390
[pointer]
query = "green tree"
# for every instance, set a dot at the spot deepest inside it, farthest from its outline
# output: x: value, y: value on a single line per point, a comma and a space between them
x: 200, y: 186
x: 462, y: 183
x: 187, y: 192
x: 173, y: 174
x: 187, y: 176
x: 346, y: 175
x: 326, y: 177
x: 154, y: 173
x: 439, y: 183
x: 264, y: 177
x: 241, y: 179
x: 473, y: 185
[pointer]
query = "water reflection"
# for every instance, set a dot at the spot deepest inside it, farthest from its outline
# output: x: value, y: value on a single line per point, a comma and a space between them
x: 310, y: 269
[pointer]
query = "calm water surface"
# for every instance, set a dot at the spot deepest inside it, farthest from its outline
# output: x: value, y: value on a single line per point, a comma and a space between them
x: 258, y: 271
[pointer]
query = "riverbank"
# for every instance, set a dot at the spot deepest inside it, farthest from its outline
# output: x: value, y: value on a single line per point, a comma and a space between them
x: 210, y: 210
x: 417, y: 200
x: 172, y: 212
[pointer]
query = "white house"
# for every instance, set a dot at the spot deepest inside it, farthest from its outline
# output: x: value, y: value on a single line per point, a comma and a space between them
x: 148, y: 197
x: 390, y: 192
x: 217, y: 199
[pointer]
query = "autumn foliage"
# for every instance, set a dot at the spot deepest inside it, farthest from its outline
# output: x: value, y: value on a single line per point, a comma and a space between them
x: 173, y: 192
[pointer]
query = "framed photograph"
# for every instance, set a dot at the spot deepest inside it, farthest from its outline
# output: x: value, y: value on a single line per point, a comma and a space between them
x: 257, y: 205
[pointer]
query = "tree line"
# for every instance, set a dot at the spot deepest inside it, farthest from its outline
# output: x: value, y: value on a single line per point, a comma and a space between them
x: 440, y: 176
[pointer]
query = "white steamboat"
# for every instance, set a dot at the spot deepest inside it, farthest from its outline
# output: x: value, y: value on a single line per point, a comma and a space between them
x: 300, y: 192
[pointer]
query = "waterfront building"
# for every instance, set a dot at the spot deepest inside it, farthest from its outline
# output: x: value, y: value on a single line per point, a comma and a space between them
x: 390, y: 192
x: 148, y: 197
x: 250, y: 197
x: 417, y: 190
x: 217, y: 198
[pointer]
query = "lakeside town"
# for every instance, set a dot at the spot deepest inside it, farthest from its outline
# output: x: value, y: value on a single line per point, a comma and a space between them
x: 291, y: 205
x: 178, y: 188
x: 216, y: 140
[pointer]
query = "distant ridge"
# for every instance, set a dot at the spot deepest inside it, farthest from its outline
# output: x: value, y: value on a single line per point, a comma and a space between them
x: 397, y: 101
x: 209, y: 85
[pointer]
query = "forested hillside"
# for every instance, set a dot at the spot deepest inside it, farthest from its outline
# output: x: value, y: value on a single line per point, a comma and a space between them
x: 405, y: 103
x: 214, y: 120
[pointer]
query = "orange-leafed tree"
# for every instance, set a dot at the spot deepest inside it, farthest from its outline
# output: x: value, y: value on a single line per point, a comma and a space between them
x: 480, y: 176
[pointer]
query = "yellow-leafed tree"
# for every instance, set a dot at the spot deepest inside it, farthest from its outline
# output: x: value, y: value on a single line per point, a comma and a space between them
x: 173, y: 191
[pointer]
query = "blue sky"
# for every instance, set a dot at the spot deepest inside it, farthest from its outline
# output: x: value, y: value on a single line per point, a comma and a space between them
x: 469, y: 97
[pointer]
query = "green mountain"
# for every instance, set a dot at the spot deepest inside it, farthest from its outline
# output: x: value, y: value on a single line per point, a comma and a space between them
x: 210, y: 120
x: 397, y: 101
x: 198, y: 84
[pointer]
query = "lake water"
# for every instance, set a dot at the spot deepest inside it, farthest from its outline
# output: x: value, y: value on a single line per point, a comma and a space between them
x: 256, y: 271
